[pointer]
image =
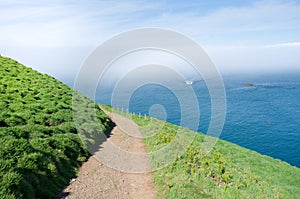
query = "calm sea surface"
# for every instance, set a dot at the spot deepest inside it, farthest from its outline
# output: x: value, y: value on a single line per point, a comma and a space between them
x: 264, y: 117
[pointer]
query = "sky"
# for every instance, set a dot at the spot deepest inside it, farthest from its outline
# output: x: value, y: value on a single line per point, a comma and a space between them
x: 55, y: 37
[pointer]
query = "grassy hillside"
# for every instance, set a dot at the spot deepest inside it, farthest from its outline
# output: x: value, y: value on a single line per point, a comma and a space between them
x: 228, y: 171
x: 40, y: 146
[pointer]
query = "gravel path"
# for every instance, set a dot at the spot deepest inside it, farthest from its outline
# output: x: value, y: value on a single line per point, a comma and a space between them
x: 116, y: 170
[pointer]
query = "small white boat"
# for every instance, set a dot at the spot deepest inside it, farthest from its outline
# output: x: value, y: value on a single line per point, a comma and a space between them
x: 188, y: 82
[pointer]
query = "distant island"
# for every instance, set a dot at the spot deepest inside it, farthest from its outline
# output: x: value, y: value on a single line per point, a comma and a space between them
x: 250, y: 84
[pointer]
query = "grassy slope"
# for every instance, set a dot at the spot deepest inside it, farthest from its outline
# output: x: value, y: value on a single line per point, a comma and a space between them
x: 228, y: 171
x: 40, y: 146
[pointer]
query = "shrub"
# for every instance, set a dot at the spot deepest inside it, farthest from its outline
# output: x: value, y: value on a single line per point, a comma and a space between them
x: 40, y: 148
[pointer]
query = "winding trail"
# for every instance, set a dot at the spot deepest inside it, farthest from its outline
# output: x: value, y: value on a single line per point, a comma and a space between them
x: 96, y: 180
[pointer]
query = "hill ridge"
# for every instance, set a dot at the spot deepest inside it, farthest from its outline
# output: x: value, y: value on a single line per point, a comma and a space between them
x: 41, y: 149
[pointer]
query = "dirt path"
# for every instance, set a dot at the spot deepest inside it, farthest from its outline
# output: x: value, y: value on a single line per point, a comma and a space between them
x: 96, y: 180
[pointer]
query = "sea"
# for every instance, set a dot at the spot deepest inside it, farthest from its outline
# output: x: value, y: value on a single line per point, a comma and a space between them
x: 262, y: 110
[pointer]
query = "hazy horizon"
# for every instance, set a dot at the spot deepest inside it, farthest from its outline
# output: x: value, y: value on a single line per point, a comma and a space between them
x: 241, y: 37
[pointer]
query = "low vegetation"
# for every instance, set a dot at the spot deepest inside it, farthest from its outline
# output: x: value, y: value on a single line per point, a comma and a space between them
x: 228, y: 171
x: 40, y: 145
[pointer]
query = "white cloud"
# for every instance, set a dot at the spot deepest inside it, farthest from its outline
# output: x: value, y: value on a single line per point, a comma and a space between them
x: 90, y: 22
x: 288, y: 44
x: 257, y: 58
x: 255, y: 35
x: 47, y: 24
x: 262, y: 22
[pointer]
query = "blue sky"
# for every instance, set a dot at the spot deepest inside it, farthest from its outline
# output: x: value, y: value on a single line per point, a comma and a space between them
x: 55, y: 37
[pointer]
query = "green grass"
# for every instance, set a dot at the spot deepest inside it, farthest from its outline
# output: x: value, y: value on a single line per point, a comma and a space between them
x: 228, y: 171
x: 40, y: 145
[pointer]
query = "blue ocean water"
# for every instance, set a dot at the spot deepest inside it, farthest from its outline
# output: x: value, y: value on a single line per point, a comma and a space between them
x: 264, y: 117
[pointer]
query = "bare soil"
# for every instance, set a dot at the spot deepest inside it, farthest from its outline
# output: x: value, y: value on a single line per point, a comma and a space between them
x: 109, y: 173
